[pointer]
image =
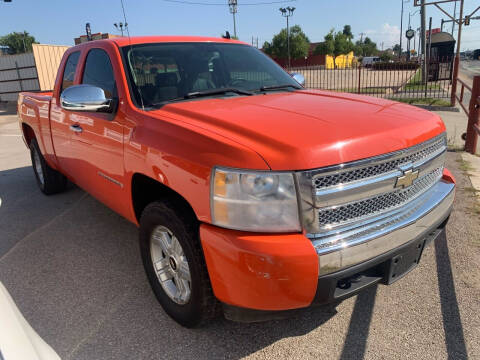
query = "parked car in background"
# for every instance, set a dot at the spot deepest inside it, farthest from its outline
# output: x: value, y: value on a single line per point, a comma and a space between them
x: 369, y: 61
x: 253, y: 195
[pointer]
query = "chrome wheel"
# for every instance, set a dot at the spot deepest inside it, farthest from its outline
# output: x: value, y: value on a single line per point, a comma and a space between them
x: 37, y: 163
x: 170, y: 265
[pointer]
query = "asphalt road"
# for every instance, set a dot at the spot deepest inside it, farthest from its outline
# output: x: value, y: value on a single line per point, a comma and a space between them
x: 73, y: 267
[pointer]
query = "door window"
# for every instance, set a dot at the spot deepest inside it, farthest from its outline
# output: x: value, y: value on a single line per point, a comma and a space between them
x: 70, y: 69
x: 99, y: 72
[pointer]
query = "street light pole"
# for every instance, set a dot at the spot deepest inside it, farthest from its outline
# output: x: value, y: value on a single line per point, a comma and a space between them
x: 456, y: 62
x: 233, y: 5
x: 120, y: 26
x: 287, y: 12
x: 401, y: 28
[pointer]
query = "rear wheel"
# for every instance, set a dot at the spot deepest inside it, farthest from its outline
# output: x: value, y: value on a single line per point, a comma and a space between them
x: 174, y: 263
x: 49, y: 180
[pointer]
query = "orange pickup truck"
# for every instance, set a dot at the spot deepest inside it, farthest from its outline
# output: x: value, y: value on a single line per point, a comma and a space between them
x: 253, y: 195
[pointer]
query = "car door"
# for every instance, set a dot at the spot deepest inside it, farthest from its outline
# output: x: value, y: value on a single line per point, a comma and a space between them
x: 97, y: 137
x: 60, y: 119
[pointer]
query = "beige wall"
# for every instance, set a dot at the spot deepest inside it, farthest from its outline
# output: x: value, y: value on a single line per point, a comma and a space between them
x: 47, y: 60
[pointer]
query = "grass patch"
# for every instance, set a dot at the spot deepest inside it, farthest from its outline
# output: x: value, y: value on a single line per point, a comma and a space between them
x: 423, y: 101
x: 416, y: 83
x: 455, y: 148
x: 363, y: 90
x: 475, y: 209
x: 422, y: 87
x: 464, y: 166
x: 416, y: 79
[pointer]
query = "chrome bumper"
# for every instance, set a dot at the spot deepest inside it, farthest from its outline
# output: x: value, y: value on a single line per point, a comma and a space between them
x: 423, y: 215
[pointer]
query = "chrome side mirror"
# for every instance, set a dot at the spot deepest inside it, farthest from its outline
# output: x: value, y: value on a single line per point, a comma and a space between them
x: 298, y: 78
x: 85, y: 98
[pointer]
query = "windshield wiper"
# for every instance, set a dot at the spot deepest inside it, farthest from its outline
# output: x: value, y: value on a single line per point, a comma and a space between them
x: 216, y: 92
x: 210, y: 92
x: 277, y: 87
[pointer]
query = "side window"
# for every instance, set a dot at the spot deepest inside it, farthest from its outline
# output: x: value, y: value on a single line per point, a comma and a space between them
x: 99, y: 72
x: 70, y: 68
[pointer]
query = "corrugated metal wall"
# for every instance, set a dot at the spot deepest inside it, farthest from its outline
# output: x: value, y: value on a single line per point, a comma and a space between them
x: 47, y: 59
x: 29, y: 72
x: 17, y: 73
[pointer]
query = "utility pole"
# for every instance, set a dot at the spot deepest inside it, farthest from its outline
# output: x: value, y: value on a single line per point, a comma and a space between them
x: 287, y: 12
x: 454, y: 16
x: 233, y: 6
x: 401, y: 29
x: 427, y: 56
x: 361, y: 36
x: 423, y: 43
x: 457, y: 57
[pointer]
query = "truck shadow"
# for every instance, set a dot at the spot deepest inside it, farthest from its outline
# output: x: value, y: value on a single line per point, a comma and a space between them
x: 452, y: 323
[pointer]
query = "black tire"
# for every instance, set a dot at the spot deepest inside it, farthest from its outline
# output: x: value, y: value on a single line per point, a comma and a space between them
x: 202, y: 305
x: 49, y: 181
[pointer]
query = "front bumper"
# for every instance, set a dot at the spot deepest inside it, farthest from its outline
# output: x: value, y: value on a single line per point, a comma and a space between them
x: 277, y: 272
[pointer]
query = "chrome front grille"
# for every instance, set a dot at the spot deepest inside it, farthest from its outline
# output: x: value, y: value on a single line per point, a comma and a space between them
x: 372, y: 206
x: 370, y: 170
x: 341, y: 202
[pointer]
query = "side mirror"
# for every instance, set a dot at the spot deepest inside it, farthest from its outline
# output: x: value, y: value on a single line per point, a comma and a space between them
x: 85, y: 98
x: 298, y: 78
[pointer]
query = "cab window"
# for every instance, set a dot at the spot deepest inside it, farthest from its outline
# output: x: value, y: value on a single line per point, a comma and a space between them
x: 99, y: 72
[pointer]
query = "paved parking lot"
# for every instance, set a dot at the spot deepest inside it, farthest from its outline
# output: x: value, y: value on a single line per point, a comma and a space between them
x: 73, y: 267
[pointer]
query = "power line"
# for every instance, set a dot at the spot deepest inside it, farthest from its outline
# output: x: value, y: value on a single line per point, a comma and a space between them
x: 223, y: 4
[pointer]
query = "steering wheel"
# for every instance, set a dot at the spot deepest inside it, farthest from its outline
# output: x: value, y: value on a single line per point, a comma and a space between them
x: 238, y: 82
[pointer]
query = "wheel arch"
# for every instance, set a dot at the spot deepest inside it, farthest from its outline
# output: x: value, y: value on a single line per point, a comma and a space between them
x: 145, y: 190
x: 28, y: 133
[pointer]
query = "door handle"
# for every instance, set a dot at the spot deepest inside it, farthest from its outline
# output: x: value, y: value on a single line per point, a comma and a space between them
x: 76, y: 128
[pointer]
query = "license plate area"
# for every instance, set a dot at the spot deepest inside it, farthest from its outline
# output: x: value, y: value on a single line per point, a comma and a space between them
x: 404, y: 262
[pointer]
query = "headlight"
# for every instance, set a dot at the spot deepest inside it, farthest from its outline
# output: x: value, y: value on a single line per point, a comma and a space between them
x: 254, y: 201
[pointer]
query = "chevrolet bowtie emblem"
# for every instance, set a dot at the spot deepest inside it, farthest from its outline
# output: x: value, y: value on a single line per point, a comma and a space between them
x: 407, y: 179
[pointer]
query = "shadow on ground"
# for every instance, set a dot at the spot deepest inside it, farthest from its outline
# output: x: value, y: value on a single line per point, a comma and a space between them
x: 73, y: 267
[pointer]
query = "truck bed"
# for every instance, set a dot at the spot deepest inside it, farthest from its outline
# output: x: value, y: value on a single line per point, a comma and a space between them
x: 33, y: 112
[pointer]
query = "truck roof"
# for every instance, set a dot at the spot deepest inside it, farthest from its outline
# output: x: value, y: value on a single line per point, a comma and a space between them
x: 124, y: 41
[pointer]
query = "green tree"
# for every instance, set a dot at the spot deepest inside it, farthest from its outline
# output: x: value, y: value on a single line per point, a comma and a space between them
x: 386, y: 56
x: 334, y: 44
x: 396, y: 49
x: 347, y: 31
x: 18, y: 42
x: 366, y: 48
x: 299, y: 44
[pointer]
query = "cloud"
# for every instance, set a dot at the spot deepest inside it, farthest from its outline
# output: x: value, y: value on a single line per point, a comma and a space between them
x: 388, y: 34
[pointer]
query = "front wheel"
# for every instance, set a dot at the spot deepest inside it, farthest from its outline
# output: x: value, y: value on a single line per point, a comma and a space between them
x: 174, y: 263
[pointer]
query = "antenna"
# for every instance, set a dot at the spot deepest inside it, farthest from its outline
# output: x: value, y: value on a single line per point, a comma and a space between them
x: 131, y: 49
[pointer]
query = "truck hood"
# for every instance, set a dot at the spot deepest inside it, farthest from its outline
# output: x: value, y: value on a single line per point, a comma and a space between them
x: 309, y: 129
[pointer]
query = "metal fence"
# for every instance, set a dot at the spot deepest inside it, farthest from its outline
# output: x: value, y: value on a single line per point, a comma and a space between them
x: 402, y: 80
x: 470, y: 102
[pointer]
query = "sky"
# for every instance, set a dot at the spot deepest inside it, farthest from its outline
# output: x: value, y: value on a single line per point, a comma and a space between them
x: 60, y: 21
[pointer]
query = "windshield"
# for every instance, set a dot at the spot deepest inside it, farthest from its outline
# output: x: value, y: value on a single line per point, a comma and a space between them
x: 163, y: 72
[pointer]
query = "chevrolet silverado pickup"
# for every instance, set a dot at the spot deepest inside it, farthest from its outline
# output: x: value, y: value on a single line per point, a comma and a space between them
x: 253, y: 195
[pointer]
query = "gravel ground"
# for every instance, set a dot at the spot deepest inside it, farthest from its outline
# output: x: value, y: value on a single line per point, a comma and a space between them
x: 74, y: 269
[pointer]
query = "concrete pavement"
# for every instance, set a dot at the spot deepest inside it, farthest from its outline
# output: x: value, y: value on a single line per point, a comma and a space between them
x: 74, y: 269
